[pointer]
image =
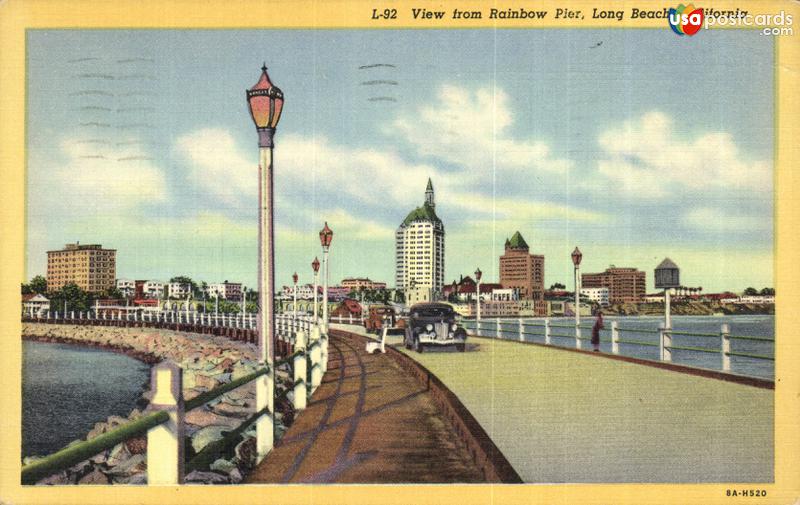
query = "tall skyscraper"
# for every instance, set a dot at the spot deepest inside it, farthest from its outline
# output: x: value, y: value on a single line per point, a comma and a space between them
x: 523, y: 272
x: 419, y: 247
x: 91, y: 267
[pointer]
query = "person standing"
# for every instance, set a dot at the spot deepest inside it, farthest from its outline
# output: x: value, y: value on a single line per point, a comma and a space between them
x: 598, y: 325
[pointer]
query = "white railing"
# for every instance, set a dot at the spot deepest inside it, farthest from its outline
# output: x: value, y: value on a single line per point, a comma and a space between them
x: 555, y: 333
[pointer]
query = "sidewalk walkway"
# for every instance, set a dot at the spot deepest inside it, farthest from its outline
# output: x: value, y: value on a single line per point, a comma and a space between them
x: 368, y: 422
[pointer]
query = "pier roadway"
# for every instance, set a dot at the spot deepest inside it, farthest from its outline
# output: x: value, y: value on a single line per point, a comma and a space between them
x: 370, y: 421
x: 562, y: 416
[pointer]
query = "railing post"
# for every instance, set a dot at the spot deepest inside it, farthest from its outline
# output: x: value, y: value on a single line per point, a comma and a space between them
x: 725, y: 336
x: 72, y: 314
x: 299, y: 366
x: 265, y: 427
x: 498, y: 333
x: 614, y: 337
x: 521, y: 330
x: 665, y: 339
x: 350, y: 318
x: 315, y: 348
x: 165, y: 441
x: 547, y: 331
x: 323, y: 362
x: 577, y: 332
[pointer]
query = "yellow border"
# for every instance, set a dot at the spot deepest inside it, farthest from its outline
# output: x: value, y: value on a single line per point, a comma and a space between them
x: 17, y: 15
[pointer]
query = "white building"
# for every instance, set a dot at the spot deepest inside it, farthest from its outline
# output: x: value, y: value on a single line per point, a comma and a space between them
x: 225, y: 290
x: 502, y: 295
x: 153, y: 289
x: 418, y: 294
x: 304, y: 292
x: 178, y: 289
x: 126, y: 286
x: 419, y: 248
x: 33, y: 305
x: 597, y: 295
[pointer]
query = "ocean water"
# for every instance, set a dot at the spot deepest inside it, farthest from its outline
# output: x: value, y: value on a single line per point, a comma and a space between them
x: 750, y: 325
x: 66, y: 389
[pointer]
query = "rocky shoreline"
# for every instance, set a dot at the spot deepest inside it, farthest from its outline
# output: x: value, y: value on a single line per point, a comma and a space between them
x: 207, y: 361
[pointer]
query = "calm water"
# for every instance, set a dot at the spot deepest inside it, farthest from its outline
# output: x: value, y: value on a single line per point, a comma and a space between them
x: 66, y: 389
x: 753, y: 326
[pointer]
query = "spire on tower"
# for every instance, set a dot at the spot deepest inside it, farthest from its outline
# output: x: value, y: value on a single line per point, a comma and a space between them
x: 429, y: 194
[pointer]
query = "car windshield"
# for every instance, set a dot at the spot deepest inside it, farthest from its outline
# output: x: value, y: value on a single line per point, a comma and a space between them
x: 434, y: 312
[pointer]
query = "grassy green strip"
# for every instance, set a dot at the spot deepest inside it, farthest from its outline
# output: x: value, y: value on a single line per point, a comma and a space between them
x: 206, y: 397
x: 211, y: 452
x: 698, y: 349
x: 754, y: 356
x: 70, y: 456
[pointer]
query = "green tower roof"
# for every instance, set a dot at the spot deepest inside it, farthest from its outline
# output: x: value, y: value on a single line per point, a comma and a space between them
x: 424, y: 213
x: 517, y: 242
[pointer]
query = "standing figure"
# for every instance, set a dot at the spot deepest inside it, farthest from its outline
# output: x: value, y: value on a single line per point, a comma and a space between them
x: 598, y: 325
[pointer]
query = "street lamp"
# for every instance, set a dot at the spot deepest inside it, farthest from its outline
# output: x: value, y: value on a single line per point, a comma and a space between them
x: 265, y: 102
x: 577, y: 256
x: 325, y: 238
x: 478, y: 275
x: 315, y: 267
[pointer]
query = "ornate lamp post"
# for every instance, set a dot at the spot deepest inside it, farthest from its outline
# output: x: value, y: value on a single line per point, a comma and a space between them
x: 266, y: 104
x: 577, y: 256
x: 294, y: 305
x: 325, y: 238
x: 478, y: 275
x: 315, y: 267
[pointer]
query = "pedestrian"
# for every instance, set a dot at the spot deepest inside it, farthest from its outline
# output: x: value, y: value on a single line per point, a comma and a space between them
x: 598, y: 325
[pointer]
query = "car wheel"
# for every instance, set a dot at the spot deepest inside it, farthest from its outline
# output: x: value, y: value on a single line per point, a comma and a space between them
x: 461, y: 347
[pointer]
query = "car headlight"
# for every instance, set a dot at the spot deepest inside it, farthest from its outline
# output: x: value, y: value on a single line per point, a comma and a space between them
x: 454, y: 327
x: 451, y: 334
x: 429, y: 327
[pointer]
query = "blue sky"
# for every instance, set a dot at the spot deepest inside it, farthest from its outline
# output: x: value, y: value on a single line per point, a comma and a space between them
x: 647, y: 146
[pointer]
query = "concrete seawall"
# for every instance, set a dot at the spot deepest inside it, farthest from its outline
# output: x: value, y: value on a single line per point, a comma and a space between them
x: 207, y: 361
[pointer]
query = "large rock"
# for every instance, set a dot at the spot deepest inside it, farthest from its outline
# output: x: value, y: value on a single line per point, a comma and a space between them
x: 94, y: 477
x: 206, y: 478
x: 135, y: 464
x: 203, y: 417
x: 206, y: 435
x: 238, y: 411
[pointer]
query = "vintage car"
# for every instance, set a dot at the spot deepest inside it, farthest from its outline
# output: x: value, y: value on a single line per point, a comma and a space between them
x: 378, y: 316
x: 433, y: 324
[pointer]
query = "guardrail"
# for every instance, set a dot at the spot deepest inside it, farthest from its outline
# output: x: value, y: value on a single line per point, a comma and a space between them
x: 544, y: 328
x: 306, y: 346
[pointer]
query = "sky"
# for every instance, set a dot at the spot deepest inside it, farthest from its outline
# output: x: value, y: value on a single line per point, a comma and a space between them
x: 647, y: 146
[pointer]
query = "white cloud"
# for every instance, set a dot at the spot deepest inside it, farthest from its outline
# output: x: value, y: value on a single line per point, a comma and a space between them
x: 647, y: 158
x: 715, y: 220
x: 471, y: 129
x: 217, y: 165
x: 100, y: 178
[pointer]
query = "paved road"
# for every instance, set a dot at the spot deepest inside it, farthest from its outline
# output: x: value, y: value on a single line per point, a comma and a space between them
x: 561, y: 416
x: 368, y: 422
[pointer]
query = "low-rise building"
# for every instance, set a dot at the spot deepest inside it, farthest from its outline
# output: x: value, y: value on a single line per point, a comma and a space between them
x: 35, y: 304
x: 496, y: 308
x: 126, y: 286
x: 596, y: 295
x: 756, y: 299
x: 357, y: 283
x: 304, y: 292
x: 179, y: 289
x: 153, y: 289
x: 231, y: 291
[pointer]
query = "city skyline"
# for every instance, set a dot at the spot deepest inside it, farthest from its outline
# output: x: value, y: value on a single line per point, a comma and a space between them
x: 161, y: 167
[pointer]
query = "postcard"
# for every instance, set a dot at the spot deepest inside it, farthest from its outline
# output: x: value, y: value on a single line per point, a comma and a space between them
x: 400, y: 251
